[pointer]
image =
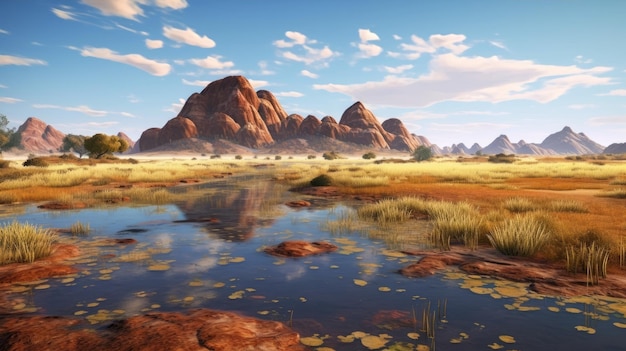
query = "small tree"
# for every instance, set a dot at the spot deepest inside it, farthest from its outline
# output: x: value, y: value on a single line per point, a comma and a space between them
x: 102, y: 144
x: 369, y: 156
x: 8, y: 137
x: 422, y: 153
x: 75, y: 143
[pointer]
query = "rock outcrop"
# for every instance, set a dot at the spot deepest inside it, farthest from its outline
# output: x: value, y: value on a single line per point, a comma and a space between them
x: 230, y: 109
x: 615, y: 148
x: 37, y: 136
x: 569, y: 143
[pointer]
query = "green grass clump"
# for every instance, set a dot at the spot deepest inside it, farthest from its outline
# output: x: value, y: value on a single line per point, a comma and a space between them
x: 522, y: 235
x: 24, y: 243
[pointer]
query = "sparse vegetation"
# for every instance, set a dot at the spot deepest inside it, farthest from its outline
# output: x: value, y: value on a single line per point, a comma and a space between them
x: 369, y: 156
x: 321, y: 180
x: 23, y: 242
x: 35, y: 162
x: 422, y: 153
x: 80, y: 229
x: 331, y: 155
x: 501, y: 158
x: 522, y: 235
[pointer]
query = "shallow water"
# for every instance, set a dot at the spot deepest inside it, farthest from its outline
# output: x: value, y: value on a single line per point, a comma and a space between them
x: 218, y: 262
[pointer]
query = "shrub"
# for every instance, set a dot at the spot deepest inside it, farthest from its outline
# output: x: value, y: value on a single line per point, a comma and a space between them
x: 21, y: 243
x: 422, y: 153
x: 35, y: 162
x: 369, y: 156
x: 321, y: 180
x: 522, y: 235
x: 501, y: 158
x: 238, y: 157
x: 331, y: 155
x: 311, y: 157
x: 5, y: 164
x: 278, y: 158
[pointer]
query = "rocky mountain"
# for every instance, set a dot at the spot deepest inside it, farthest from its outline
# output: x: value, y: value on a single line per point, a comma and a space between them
x: 39, y: 137
x: 615, y: 148
x: 231, y: 110
x: 564, y: 142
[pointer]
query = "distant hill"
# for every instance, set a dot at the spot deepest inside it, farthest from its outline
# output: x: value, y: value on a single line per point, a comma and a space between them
x: 38, y: 137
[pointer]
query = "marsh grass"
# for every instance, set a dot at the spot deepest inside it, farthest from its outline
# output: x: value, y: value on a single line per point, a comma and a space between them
x: 589, y: 258
x: 617, y: 193
x: 567, y: 206
x: 520, y: 204
x: 522, y: 235
x: 80, y: 229
x: 24, y: 243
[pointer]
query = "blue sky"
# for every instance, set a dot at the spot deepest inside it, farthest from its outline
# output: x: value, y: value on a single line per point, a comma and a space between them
x: 453, y: 71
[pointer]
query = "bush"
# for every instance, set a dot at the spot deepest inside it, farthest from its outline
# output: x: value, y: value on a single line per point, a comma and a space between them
x: 311, y: 157
x: 369, y: 156
x: 35, y: 162
x: 501, y: 158
x: 321, y: 180
x: 238, y: 157
x: 5, y: 164
x: 278, y: 158
x: 422, y: 153
x: 332, y: 155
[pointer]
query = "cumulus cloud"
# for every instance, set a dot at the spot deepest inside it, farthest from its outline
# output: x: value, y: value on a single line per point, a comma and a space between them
x: 9, y: 100
x: 367, y: 35
x: 308, y: 54
x: 175, y: 107
x: 309, y: 74
x: 62, y: 14
x: 81, y: 109
x: 154, y: 44
x: 418, y: 46
x: 188, y: 36
x: 257, y: 84
x: 212, y: 62
x: 289, y: 94
x: 173, y: 4
x: 20, y: 61
x: 487, y: 79
x: 366, y: 49
x: 153, y: 67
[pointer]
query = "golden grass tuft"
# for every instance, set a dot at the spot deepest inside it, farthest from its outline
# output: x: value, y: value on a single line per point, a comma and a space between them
x: 522, y: 235
x: 24, y: 243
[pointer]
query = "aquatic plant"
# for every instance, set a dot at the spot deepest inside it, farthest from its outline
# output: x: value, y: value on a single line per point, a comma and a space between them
x: 80, y: 228
x: 522, y: 235
x: 23, y: 242
x: 590, y: 258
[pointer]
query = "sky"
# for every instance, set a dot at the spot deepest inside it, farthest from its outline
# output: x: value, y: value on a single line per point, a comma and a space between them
x: 454, y: 71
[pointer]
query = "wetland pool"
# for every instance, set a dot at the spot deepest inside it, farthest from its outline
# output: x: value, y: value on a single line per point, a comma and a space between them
x: 208, y: 253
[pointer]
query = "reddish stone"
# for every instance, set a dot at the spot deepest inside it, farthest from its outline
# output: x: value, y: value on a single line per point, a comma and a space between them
x: 298, y: 203
x: 299, y: 248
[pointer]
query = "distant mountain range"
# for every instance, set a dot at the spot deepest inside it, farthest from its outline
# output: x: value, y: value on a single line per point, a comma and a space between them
x: 228, y: 116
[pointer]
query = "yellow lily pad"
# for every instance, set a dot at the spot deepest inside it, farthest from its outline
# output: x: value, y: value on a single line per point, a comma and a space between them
x: 573, y: 310
x: 159, y: 267
x: 374, y: 342
x: 553, y: 309
x: 620, y: 325
x: 360, y: 282
x: 237, y: 259
x: 237, y: 295
x: 495, y: 346
x: 42, y: 287
x: 311, y: 341
x: 507, y: 339
x: 384, y: 289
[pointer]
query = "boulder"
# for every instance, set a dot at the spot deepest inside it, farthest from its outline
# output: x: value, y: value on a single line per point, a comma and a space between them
x: 177, y: 128
x: 300, y: 248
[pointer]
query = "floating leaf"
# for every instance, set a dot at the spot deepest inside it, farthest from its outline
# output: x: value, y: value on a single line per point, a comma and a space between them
x: 360, y: 282
x: 19, y: 306
x: 188, y: 299
x: 314, y: 267
x: 495, y: 346
x: 422, y: 347
x: 553, y: 309
x: 159, y: 267
x: 236, y: 295
x: 511, y: 291
x: 481, y: 291
x: 374, y: 342
x: 42, y: 287
x: 263, y: 313
x: 346, y: 339
x: 303, y: 299
x: 620, y: 325
x: 359, y: 334
x: 155, y: 306
x: 573, y: 310
x: 219, y: 285
x: 334, y: 266
x: 384, y: 289
x: 93, y: 304
x: 67, y: 280
x: 507, y: 339
x: 236, y: 259
x: 80, y: 313
x: 583, y: 328
x: 413, y: 336
x: 312, y: 341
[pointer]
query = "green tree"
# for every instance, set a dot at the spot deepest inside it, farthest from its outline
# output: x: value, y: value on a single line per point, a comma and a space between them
x: 422, y: 153
x: 75, y: 143
x: 8, y: 137
x: 369, y: 156
x: 101, y: 144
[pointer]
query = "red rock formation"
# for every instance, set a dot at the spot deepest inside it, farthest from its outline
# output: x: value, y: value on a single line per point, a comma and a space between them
x: 300, y: 248
x: 330, y: 128
x: 270, y: 117
x: 192, y: 330
x: 290, y: 126
x: 177, y: 128
x: 358, y: 117
x: 37, y: 136
x: 221, y: 126
x: 310, y: 126
x: 149, y: 139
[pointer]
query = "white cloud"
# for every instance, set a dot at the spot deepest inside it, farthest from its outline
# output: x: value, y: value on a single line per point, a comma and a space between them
x: 398, y: 69
x: 62, y: 14
x: 616, y: 92
x: 309, y: 74
x: 2, y: 31
x: 9, y: 100
x: 173, y: 4
x: 498, y: 44
x: 19, y: 61
x: 296, y: 39
x: 3, y: 86
x: 151, y: 66
x: 418, y: 46
x: 175, y: 107
x: 366, y: 35
x: 257, y: 84
x: 581, y: 59
x: 487, y: 79
x: 212, y: 62
x: 154, y: 44
x: 608, y: 120
x: 122, y: 8
x: 199, y: 83
x: 130, y: 29
x: 188, y: 36
x: 127, y: 114
x: 264, y: 70
x: 289, y: 94
x: 369, y: 50
x: 81, y: 109
x: 397, y: 37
